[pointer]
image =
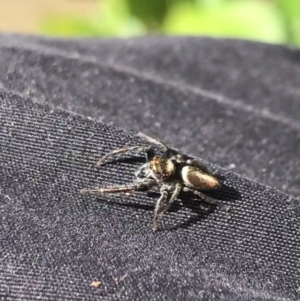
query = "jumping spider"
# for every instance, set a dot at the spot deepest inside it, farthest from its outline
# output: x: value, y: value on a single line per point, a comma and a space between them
x: 172, y: 172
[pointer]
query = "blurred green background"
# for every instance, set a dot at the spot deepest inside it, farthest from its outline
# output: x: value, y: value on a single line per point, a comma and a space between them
x: 273, y: 21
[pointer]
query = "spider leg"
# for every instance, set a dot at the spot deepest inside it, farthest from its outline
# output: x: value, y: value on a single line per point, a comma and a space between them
x: 154, y: 141
x: 120, y: 151
x: 141, y: 169
x: 158, y: 207
x: 207, y: 199
x: 147, y: 184
x: 164, y: 203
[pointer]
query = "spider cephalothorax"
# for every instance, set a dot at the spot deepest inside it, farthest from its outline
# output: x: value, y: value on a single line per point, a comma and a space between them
x: 162, y: 167
x: 172, y: 172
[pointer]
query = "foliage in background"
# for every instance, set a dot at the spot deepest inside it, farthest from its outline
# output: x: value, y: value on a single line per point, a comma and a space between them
x: 275, y: 21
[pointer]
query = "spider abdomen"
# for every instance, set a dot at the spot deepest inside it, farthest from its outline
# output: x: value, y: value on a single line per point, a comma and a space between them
x: 195, y: 178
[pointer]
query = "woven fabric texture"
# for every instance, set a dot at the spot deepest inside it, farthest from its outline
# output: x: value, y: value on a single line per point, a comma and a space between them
x: 65, y: 103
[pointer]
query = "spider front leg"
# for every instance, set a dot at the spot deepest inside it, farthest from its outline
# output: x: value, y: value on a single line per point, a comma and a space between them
x: 207, y: 199
x: 165, y: 201
x: 118, y: 152
x: 154, y: 141
x: 146, y: 184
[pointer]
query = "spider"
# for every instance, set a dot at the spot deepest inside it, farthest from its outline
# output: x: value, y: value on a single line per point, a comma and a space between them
x: 172, y: 172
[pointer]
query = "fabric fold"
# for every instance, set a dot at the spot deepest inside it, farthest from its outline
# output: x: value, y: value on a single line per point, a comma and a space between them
x: 56, y: 241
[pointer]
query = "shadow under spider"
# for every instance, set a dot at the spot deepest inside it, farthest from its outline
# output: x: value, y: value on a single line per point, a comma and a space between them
x: 195, y: 203
x: 188, y: 200
x: 130, y: 159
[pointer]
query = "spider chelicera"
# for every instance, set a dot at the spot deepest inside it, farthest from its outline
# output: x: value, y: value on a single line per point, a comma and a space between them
x: 172, y: 172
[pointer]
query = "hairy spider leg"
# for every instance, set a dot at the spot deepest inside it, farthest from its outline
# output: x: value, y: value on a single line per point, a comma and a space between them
x: 120, y: 151
x: 145, y: 167
x: 164, y: 203
x: 159, y: 204
x: 139, y: 148
x: 121, y: 188
x: 154, y: 141
x: 206, y: 198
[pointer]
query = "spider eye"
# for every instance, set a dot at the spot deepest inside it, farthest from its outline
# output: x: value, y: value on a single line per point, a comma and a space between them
x: 162, y: 167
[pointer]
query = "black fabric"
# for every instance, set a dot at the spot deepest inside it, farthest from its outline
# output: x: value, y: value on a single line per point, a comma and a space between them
x: 65, y: 103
